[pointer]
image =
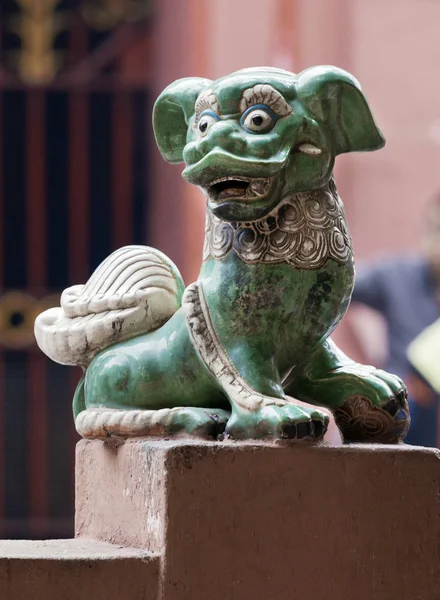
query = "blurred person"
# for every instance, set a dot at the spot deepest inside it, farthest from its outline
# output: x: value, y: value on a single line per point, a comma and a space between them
x: 406, y: 292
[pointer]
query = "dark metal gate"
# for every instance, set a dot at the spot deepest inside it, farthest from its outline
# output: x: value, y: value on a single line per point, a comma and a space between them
x: 73, y: 106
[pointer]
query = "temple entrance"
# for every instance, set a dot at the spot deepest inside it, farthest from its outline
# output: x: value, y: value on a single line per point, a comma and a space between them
x: 73, y: 172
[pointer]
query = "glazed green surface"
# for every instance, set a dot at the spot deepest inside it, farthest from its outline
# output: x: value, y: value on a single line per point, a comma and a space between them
x: 259, y: 305
x: 160, y: 369
x: 270, y: 318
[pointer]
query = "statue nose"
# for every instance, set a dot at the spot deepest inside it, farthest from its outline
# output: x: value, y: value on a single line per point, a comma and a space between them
x: 227, y: 135
x: 224, y: 135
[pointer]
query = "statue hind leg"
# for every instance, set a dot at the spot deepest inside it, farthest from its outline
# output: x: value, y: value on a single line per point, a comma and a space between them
x: 369, y: 405
x: 125, y: 328
x: 153, y: 385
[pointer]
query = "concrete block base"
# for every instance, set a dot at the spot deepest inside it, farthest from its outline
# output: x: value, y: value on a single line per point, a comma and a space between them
x: 260, y: 522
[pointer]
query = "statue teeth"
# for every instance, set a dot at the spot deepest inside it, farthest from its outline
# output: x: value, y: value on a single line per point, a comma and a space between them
x: 310, y: 150
x: 260, y: 186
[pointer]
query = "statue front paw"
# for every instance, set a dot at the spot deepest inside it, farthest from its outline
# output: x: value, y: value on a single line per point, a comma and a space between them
x: 377, y: 412
x: 287, y: 421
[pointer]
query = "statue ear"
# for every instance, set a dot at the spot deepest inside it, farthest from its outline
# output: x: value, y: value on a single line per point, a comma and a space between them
x: 171, y: 114
x: 335, y: 98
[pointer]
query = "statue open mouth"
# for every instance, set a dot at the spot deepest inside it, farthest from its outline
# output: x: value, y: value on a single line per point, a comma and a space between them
x: 238, y: 188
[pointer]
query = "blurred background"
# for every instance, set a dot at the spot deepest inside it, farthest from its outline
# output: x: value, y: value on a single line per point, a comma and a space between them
x: 80, y: 175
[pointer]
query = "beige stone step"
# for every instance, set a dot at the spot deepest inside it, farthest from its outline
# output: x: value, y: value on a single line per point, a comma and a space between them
x: 76, y: 570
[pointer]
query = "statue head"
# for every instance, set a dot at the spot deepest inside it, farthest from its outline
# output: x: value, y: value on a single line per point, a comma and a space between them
x: 258, y: 135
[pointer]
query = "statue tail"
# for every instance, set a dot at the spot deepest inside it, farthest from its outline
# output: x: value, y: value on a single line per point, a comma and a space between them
x: 134, y: 291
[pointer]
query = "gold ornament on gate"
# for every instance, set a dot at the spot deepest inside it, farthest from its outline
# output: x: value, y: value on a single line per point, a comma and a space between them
x: 18, y: 311
x: 37, y: 25
x: 106, y: 14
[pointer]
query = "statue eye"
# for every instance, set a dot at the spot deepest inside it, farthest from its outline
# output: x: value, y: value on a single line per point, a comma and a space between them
x: 206, y: 120
x: 258, y: 119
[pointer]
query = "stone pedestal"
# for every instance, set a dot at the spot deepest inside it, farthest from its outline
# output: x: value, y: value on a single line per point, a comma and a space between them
x: 260, y: 522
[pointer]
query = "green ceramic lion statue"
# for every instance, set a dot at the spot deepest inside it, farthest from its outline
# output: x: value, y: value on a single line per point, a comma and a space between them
x: 223, y: 357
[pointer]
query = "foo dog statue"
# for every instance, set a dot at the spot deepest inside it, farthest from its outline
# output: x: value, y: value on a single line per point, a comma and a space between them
x: 220, y: 357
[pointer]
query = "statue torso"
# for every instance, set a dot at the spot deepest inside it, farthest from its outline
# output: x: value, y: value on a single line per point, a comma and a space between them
x: 282, y: 281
